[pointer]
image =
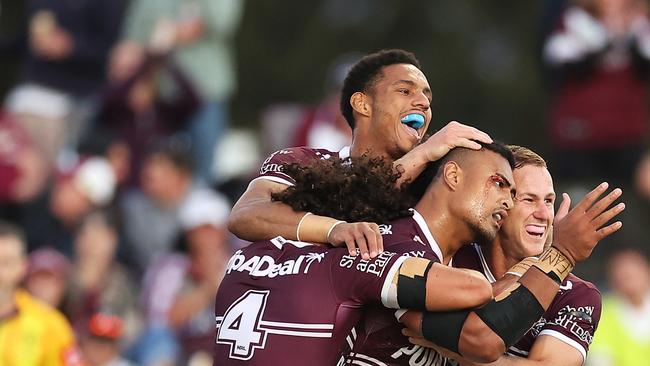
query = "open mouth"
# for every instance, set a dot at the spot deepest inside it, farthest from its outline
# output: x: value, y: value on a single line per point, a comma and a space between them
x: 415, y: 122
x: 499, y: 216
x: 535, y: 230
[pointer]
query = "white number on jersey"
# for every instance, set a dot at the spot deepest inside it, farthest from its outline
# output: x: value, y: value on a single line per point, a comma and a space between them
x: 240, y: 327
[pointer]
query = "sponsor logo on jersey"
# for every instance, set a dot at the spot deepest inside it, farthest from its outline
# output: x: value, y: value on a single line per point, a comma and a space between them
x: 573, y: 318
x: 267, y: 167
x: 415, y: 253
x: 374, y: 266
x: 265, y: 266
x: 421, y: 356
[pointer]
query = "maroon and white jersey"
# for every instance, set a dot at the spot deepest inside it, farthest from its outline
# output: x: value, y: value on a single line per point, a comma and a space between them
x: 379, y: 338
x: 285, y: 302
x: 272, y: 167
x: 572, y: 317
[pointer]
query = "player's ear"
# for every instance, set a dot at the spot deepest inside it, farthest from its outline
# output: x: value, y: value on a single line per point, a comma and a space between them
x: 360, y: 103
x: 452, y: 175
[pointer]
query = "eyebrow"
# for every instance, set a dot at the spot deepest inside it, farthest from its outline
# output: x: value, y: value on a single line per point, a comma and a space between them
x: 505, y: 180
x: 513, y: 191
x: 549, y: 195
x: 411, y: 83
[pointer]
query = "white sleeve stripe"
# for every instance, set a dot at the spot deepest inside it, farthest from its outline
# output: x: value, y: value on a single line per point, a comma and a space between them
x: 271, y: 178
x: 388, y: 293
x: 567, y: 340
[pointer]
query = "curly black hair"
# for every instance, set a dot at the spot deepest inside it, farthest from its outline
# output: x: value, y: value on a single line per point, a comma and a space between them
x: 366, y: 72
x: 361, y: 189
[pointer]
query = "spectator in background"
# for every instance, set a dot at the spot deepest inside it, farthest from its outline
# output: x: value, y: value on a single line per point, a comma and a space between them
x: 151, y: 224
x: 47, y: 277
x: 135, y: 112
x: 33, y: 333
x: 199, y: 34
x: 180, y: 288
x: 66, y: 44
x: 323, y: 126
x: 623, y: 337
x: 203, y: 219
x: 101, y: 347
x: 87, y: 186
x: 98, y: 283
x: 23, y: 170
x: 598, y: 120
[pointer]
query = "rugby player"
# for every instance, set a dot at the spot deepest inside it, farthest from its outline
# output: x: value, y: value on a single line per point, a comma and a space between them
x: 327, y: 287
x: 563, y: 335
x: 386, y: 100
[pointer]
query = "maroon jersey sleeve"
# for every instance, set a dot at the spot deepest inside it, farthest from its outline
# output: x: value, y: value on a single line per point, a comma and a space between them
x: 367, y: 281
x: 572, y: 317
x: 272, y: 167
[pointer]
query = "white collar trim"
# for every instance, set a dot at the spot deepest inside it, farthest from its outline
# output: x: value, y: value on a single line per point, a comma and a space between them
x: 427, y: 233
x: 344, y: 153
x: 486, y: 268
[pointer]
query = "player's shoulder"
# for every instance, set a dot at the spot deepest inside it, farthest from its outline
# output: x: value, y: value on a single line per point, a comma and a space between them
x: 299, y: 153
x: 398, y: 231
x: 575, y: 291
x: 577, y: 284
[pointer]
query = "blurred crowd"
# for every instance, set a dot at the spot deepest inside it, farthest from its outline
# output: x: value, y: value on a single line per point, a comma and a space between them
x: 119, y: 163
x: 107, y: 165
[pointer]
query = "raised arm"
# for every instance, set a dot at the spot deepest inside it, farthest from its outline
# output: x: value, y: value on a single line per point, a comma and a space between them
x: 484, y: 334
x: 454, y: 134
x: 256, y: 216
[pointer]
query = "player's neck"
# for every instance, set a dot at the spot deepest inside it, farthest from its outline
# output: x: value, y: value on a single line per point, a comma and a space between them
x: 363, y: 142
x: 448, y: 231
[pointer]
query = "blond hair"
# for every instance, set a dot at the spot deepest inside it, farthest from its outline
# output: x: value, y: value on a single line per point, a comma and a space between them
x: 525, y: 156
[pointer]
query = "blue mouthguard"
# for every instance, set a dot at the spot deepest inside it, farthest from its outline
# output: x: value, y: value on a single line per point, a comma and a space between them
x: 413, y: 120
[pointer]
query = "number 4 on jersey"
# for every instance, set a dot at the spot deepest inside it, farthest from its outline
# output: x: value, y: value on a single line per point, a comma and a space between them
x: 240, y: 325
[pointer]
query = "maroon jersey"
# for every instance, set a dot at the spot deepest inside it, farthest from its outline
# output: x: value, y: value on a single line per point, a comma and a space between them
x: 272, y: 167
x: 572, y: 317
x: 380, y: 340
x: 286, y: 302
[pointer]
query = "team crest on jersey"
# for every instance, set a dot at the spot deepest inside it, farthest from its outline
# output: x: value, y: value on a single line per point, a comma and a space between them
x: 385, y: 229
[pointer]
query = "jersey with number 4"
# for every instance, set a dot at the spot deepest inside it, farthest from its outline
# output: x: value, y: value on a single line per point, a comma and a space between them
x: 286, y: 302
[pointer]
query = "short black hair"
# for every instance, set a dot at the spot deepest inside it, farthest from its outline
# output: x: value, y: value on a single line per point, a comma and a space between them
x: 434, y: 168
x: 177, y: 149
x: 366, y: 72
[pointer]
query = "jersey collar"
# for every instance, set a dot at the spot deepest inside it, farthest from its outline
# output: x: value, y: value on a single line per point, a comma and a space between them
x: 486, y: 268
x: 419, y: 220
x: 344, y: 153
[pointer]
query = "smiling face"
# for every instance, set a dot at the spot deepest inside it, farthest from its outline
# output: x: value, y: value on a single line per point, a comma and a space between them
x: 401, y: 89
x: 528, y: 225
x: 485, y: 195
